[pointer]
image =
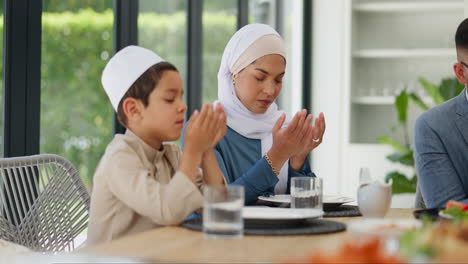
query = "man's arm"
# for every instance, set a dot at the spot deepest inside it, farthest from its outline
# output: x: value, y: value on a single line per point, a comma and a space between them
x: 438, y: 179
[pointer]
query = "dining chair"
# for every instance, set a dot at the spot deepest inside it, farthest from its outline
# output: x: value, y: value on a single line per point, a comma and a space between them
x: 44, y: 205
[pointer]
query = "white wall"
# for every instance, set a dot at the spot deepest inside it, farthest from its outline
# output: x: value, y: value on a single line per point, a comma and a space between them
x: 329, y: 42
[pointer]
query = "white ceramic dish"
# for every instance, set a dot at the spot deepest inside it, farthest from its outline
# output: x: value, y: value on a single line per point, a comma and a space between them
x: 327, y: 199
x: 335, y: 200
x: 275, y: 213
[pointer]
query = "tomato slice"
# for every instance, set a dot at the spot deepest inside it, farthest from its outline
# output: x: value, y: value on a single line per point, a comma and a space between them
x: 453, y: 203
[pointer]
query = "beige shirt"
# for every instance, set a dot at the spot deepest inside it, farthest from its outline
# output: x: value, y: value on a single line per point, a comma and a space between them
x: 137, y: 188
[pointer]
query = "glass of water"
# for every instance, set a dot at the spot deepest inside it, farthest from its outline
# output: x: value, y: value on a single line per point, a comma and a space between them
x: 306, y: 192
x: 222, y: 211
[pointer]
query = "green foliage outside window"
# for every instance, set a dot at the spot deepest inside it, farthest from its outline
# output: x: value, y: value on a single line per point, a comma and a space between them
x: 76, y: 116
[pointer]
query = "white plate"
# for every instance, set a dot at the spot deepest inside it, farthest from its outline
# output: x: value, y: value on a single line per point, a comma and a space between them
x: 383, y: 227
x: 446, y: 216
x: 286, y: 198
x: 336, y: 200
x: 274, y: 213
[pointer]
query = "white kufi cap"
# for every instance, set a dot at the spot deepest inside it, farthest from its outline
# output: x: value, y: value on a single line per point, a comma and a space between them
x: 124, y: 68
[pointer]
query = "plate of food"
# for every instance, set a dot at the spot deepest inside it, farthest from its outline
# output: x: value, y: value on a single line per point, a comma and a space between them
x: 328, y: 200
x: 438, y: 242
x: 455, y: 210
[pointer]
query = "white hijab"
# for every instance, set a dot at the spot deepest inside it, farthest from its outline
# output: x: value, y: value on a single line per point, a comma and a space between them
x: 239, y: 118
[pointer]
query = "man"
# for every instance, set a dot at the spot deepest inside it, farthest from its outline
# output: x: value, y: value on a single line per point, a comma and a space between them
x: 441, y: 139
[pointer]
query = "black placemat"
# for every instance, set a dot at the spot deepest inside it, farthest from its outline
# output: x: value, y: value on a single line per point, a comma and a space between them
x: 281, y: 228
x: 342, y: 211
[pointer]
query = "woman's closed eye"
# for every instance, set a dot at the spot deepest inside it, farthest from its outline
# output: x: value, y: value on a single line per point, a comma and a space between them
x: 169, y: 100
x: 259, y: 78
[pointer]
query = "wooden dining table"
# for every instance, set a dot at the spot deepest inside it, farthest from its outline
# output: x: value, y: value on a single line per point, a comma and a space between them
x: 180, y: 245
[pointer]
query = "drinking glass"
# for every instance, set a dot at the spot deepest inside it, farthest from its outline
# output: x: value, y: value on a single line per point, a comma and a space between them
x: 222, y: 211
x: 306, y: 192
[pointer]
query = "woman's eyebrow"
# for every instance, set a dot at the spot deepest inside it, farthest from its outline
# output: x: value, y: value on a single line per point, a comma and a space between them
x: 267, y: 73
x: 262, y: 70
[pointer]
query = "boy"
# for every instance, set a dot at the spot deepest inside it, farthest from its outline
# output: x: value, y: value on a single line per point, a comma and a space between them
x: 141, y: 183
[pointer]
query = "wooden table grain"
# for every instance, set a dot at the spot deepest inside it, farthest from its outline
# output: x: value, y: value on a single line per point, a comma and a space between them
x: 177, y: 244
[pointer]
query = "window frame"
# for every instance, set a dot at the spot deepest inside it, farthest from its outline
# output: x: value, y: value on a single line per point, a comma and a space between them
x: 22, y: 77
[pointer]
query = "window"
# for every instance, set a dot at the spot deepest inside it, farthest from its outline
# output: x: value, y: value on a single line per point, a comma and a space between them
x: 162, y: 28
x: 76, y: 115
x: 286, y: 18
x: 219, y: 24
x: 263, y: 11
x: 291, y: 30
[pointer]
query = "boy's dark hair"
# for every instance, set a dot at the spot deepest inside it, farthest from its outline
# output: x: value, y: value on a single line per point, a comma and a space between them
x: 143, y: 86
x: 461, y: 36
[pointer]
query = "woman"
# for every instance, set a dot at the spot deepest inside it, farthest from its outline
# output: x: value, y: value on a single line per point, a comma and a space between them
x: 262, y: 148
